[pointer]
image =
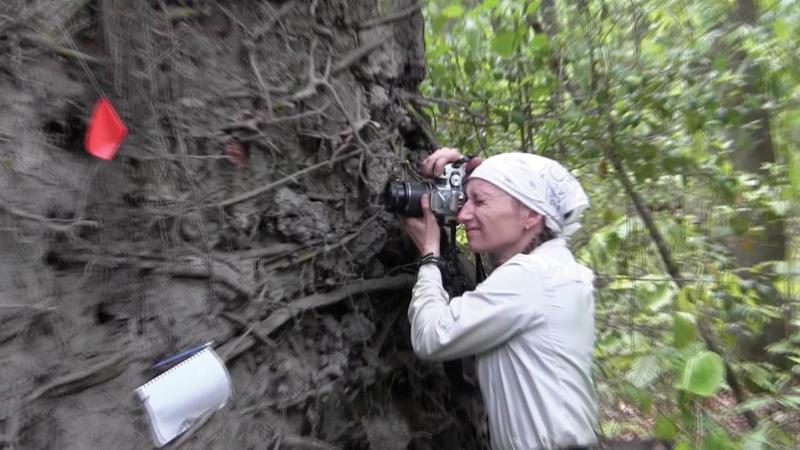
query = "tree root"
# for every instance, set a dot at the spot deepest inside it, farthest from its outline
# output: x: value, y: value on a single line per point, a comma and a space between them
x: 285, y: 9
x: 190, y: 267
x: 56, y: 225
x: 253, y: 124
x: 256, y: 334
x: 322, y: 249
x: 236, y: 347
x: 301, y: 443
x: 61, y: 50
x: 401, y: 14
x: 26, y: 17
x: 251, y: 53
x: 268, y: 187
x: 187, y: 436
x: 80, y: 379
x: 356, y: 54
x: 416, y: 119
x: 288, y: 403
x: 196, y: 268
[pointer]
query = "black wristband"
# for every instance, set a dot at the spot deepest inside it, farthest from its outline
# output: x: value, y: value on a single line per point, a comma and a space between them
x: 430, y: 258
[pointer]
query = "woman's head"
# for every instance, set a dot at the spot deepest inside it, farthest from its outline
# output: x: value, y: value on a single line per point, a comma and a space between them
x: 514, y: 199
x: 497, y: 223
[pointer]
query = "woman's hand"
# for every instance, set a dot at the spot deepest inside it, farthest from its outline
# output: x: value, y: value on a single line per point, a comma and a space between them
x: 434, y: 163
x: 424, y: 231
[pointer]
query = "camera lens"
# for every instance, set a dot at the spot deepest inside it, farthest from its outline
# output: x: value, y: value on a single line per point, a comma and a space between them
x: 404, y: 198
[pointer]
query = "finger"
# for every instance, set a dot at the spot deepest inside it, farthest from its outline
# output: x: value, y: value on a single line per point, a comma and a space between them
x: 438, y: 165
x: 447, y: 151
x: 473, y: 163
x: 425, y: 204
x: 411, y: 222
x: 425, y: 201
x: 427, y: 166
x: 434, y: 164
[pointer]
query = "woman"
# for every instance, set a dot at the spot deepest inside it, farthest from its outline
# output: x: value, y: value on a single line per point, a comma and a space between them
x: 531, y: 322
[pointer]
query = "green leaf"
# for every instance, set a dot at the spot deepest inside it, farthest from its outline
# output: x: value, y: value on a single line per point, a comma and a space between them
x: 469, y: 67
x: 703, y: 374
x: 685, y: 329
x: 503, y: 42
x: 780, y: 207
x: 655, y: 295
x: 438, y: 24
x: 517, y: 118
x: 794, y: 173
x: 665, y: 429
x: 533, y: 6
x: 752, y: 404
x: 452, y: 11
x: 760, y: 376
x: 644, y: 371
x: 757, y: 440
x: 641, y: 398
x: 717, y: 440
x: 781, y: 29
x: 540, y: 92
x: 540, y: 42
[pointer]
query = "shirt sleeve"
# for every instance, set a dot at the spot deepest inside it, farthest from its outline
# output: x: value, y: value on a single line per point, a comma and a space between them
x: 497, y: 310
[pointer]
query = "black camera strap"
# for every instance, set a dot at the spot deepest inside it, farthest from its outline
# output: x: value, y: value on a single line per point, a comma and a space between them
x: 453, y: 244
x: 480, y: 271
x: 457, y: 281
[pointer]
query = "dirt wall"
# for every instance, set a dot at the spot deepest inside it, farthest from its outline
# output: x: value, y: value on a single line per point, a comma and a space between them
x: 244, y: 208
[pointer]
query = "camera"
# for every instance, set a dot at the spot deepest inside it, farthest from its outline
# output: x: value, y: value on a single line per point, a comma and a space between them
x: 447, y: 194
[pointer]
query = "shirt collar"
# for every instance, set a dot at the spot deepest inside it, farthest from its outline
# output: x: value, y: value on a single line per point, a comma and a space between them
x: 549, y: 246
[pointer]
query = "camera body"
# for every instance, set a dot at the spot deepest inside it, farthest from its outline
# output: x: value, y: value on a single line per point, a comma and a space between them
x: 446, y: 190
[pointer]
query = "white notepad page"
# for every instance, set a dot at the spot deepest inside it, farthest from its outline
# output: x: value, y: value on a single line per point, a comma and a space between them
x: 177, y: 398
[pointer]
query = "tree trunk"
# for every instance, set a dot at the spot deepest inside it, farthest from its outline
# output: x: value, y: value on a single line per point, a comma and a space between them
x: 244, y: 208
x: 754, y: 149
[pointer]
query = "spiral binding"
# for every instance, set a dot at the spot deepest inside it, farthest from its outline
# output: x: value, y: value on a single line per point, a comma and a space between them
x: 171, y: 369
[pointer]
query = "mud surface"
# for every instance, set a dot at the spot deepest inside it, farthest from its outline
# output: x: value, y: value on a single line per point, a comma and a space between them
x: 246, y: 197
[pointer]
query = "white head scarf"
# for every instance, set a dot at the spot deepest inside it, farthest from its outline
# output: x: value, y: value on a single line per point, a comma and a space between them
x: 541, y: 184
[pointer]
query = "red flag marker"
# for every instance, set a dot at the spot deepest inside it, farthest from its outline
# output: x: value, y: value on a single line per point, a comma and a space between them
x: 106, y: 131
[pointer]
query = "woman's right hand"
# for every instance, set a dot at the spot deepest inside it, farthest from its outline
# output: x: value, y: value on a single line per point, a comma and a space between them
x: 434, y: 163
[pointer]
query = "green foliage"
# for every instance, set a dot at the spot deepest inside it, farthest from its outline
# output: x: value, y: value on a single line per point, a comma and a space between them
x: 644, y: 371
x: 703, y: 374
x: 684, y: 328
x: 672, y: 89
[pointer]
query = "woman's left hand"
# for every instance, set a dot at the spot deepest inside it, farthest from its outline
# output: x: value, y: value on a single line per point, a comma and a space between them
x: 424, y: 231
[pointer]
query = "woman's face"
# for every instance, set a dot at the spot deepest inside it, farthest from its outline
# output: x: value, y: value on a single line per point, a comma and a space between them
x: 495, y: 222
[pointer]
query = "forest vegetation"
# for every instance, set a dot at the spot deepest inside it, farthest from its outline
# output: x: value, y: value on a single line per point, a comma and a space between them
x: 681, y: 119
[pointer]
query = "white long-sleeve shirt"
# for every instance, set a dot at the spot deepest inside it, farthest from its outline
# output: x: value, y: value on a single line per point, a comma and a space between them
x: 531, y: 326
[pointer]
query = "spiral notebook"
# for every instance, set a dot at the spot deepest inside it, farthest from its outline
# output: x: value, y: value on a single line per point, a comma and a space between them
x: 179, y: 397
